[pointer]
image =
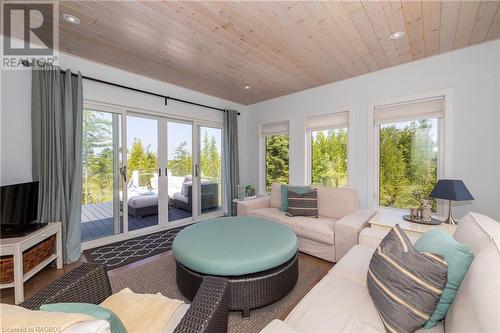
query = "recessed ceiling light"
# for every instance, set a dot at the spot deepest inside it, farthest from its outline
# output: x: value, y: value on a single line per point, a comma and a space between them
x: 71, y: 19
x: 397, y: 34
x: 247, y: 87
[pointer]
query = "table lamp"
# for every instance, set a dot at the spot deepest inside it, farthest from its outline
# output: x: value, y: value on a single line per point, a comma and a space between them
x: 451, y: 189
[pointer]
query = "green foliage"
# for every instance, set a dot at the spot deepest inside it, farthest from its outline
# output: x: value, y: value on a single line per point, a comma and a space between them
x: 408, y: 164
x: 182, y: 163
x: 96, y: 132
x: 210, y: 160
x: 329, y: 158
x: 97, y: 157
x: 277, y: 160
x: 100, y: 182
x: 142, y: 160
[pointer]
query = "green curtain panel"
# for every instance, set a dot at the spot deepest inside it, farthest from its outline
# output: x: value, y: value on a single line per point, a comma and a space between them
x: 56, y: 121
x: 230, y: 160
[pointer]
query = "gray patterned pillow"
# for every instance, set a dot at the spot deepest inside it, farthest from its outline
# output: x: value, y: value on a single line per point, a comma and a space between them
x: 305, y: 204
x: 405, y: 285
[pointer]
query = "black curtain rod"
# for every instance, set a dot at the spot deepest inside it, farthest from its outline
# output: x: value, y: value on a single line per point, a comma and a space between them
x: 142, y: 91
x: 151, y: 93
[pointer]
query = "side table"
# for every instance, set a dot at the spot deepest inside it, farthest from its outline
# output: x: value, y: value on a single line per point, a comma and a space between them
x: 385, y: 219
x: 16, y: 246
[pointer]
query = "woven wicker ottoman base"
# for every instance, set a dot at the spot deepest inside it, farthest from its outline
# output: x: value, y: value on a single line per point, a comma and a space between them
x: 246, y: 291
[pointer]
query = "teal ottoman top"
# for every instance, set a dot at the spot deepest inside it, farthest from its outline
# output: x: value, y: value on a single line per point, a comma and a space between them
x: 232, y: 246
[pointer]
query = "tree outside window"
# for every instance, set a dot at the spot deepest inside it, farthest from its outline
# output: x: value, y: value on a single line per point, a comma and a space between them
x: 142, y: 159
x: 277, y: 160
x: 329, y: 157
x: 182, y: 162
x: 408, y: 162
x: 97, y: 157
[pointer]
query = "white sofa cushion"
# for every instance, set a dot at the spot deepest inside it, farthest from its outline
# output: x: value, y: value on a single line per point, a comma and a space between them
x: 476, y: 308
x: 275, y: 196
x: 354, y: 265
x: 336, y: 202
x: 319, y: 229
x: 336, y: 304
x: 339, y: 302
x: 476, y: 231
x: 270, y: 213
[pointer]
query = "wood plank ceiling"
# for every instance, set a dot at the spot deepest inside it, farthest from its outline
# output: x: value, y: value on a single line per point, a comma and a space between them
x: 276, y: 48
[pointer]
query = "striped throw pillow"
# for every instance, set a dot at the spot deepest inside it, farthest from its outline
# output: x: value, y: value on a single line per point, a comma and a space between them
x: 303, y: 204
x: 405, y: 285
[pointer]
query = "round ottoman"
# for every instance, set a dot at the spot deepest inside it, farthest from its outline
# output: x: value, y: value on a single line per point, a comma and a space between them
x: 258, y: 257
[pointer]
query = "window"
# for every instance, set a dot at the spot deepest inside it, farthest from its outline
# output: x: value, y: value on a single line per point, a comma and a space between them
x: 328, y: 145
x: 409, y: 151
x: 276, y: 154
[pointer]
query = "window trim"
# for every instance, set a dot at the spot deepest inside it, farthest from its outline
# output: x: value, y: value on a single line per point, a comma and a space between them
x: 262, y: 153
x: 308, y: 147
x: 445, y: 147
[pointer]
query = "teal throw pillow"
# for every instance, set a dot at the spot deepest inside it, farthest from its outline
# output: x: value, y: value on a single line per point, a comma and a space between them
x: 284, y: 194
x: 458, y: 257
x: 96, y: 311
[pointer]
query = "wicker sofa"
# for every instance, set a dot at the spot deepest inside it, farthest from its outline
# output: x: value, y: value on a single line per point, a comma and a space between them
x: 331, y: 235
x: 89, y: 283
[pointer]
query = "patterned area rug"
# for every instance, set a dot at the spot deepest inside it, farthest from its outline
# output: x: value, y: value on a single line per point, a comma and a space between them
x: 157, y: 274
x: 125, y: 252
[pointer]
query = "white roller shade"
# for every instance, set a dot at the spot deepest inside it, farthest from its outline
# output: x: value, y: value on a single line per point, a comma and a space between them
x: 328, y: 121
x: 275, y: 128
x: 429, y: 108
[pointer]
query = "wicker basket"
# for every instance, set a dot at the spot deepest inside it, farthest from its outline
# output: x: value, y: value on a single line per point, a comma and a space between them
x: 31, y: 258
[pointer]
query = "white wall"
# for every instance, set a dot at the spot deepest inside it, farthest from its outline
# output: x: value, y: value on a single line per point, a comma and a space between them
x: 15, y: 116
x: 471, y: 74
x: 15, y: 125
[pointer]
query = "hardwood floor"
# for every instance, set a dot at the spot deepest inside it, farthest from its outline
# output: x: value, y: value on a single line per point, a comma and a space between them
x: 48, y: 275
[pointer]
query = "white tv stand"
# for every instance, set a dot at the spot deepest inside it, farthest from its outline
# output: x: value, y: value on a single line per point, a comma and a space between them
x: 15, y: 247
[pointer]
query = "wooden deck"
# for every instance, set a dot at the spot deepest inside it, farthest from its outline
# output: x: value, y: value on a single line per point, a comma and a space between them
x: 97, y: 220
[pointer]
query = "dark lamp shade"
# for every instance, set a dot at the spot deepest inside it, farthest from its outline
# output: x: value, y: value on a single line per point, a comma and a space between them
x: 451, y: 189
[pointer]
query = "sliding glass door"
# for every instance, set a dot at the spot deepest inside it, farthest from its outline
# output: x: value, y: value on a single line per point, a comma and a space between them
x: 180, y: 170
x: 142, y: 172
x: 209, y: 172
x: 101, y: 180
x: 144, y: 199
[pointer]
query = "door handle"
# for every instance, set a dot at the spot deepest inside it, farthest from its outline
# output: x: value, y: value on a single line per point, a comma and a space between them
x: 123, y: 171
x: 196, y: 170
x: 159, y: 172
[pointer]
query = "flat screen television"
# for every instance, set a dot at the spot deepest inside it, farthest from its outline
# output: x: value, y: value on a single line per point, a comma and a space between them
x: 18, y: 209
